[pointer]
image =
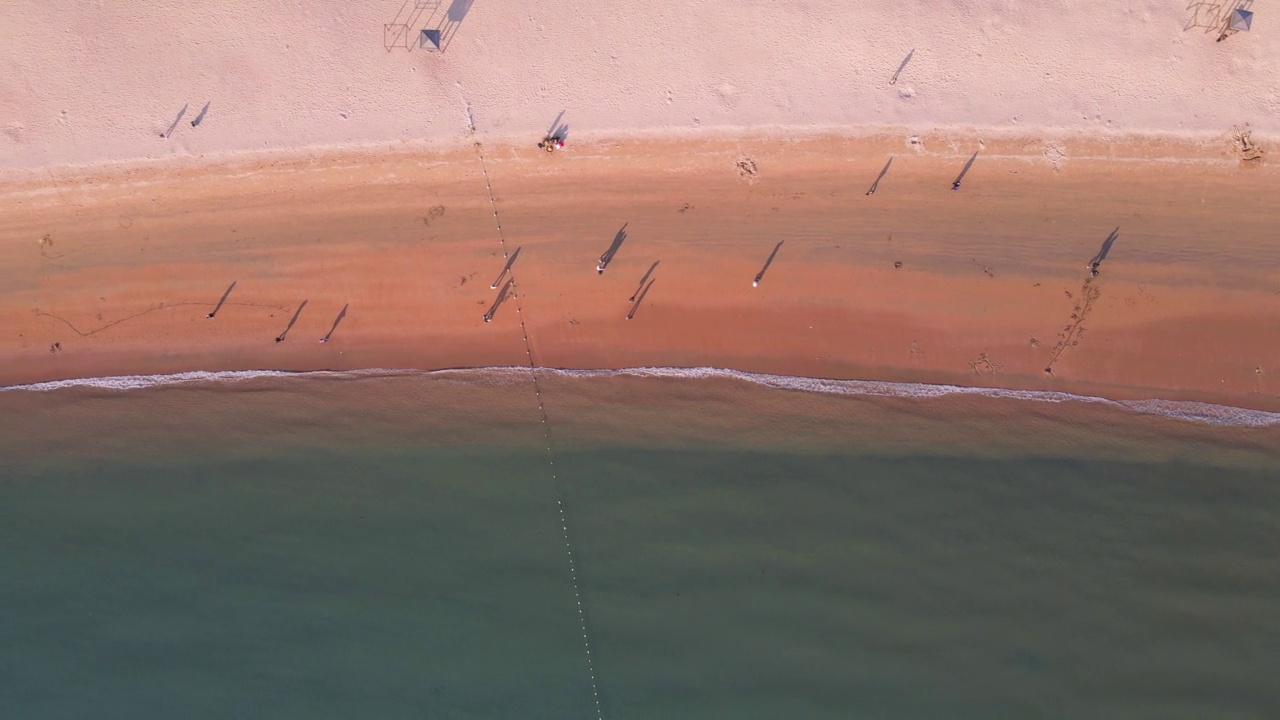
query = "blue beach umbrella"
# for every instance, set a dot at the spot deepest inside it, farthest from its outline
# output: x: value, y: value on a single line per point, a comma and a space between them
x: 1240, y: 20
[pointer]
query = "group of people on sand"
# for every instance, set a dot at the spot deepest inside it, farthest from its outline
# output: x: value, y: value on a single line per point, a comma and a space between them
x: 553, y: 142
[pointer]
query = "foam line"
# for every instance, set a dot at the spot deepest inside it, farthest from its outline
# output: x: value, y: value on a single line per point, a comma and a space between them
x: 199, y: 377
x: 1182, y: 409
x: 1222, y: 415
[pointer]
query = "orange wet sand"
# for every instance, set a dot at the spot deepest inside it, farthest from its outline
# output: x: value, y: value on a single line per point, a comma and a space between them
x: 991, y: 289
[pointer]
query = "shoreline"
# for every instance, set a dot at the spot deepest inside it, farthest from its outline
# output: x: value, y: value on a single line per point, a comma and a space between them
x: 239, y: 414
x: 1186, y: 308
x: 1188, y: 410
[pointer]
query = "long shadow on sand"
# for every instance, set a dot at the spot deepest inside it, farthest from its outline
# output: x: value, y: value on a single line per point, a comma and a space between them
x: 336, y: 320
x: 767, y: 263
x: 1102, y: 253
x: 883, y: 171
x: 222, y: 300
x: 292, y: 320
x: 502, y: 296
x: 643, y: 280
x: 607, y: 256
x: 955, y: 185
x: 639, y: 299
x: 176, y: 120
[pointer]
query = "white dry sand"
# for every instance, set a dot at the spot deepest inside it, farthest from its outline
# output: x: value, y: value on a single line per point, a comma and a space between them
x: 95, y: 80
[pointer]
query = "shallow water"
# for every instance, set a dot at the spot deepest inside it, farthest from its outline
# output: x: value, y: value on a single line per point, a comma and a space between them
x: 739, y: 551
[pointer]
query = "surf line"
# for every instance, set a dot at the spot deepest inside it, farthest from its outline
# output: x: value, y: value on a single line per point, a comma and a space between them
x: 546, y: 426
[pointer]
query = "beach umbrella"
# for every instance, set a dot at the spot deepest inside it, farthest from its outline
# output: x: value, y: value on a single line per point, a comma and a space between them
x: 1240, y: 20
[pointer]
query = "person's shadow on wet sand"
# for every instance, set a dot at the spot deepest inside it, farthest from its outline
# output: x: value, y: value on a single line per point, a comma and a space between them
x: 506, y: 269
x: 643, y: 280
x: 767, y: 263
x: 336, y: 320
x: 607, y: 257
x: 1096, y: 262
x: 639, y: 299
x: 502, y: 296
x: 222, y: 300
x: 294, y: 319
x: 964, y: 171
x: 884, y: 171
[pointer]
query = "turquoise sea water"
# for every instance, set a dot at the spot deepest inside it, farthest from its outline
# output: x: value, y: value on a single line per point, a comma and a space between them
x: 414, y: 564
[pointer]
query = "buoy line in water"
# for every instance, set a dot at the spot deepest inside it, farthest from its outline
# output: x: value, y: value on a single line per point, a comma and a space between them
x: 546, y: 432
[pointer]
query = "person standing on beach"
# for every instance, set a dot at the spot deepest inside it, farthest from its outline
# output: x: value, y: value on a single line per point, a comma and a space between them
x: 964, y: 171
x: 1095, y: 264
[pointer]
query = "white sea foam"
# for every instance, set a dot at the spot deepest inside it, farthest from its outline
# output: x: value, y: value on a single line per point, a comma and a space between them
x: 200, y: 377
x: 1222, y: 415
x: 1185, y: 410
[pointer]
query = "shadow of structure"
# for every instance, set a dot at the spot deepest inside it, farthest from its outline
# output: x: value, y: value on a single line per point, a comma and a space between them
x: 408, y: 28
x: 438, y: 33
x: 399, y: 33
x: 1213, y: 15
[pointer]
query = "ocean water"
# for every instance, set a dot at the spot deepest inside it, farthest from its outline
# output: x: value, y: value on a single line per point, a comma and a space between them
x: 646, y: 544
